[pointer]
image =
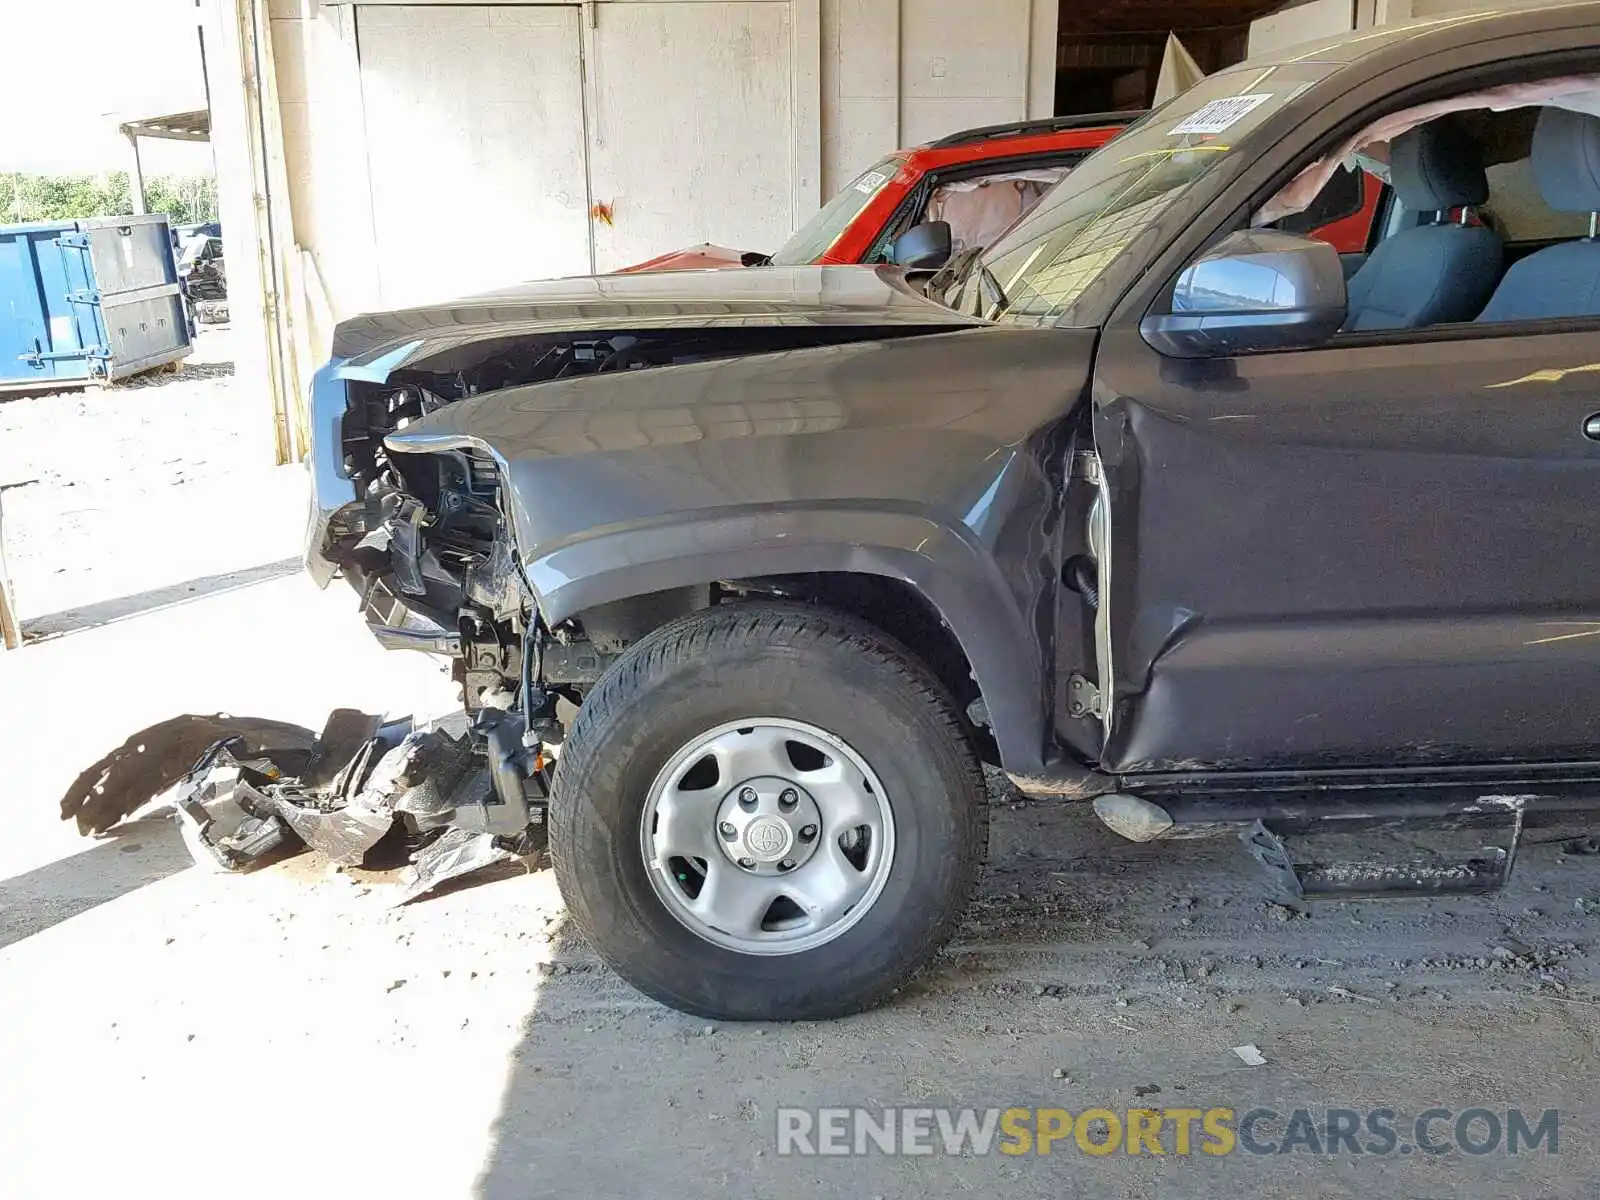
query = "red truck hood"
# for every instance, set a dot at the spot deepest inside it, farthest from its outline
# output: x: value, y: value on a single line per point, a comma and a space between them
x: 692, y: 258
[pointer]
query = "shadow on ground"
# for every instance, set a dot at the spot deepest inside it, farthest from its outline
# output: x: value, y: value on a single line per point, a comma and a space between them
x: 188, y: 372
x: 132, y: 855
x: 1091, y: 974
x: 92, y: 616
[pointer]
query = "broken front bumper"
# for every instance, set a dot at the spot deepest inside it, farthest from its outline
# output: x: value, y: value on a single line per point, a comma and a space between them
x: 333, y: 494
x: 452, y: 797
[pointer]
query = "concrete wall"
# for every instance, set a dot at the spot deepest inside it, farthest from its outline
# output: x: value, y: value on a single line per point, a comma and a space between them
x: 1301, y: 23
x: 324, y: 146
x: 889, y: 73
x: 899, y: 72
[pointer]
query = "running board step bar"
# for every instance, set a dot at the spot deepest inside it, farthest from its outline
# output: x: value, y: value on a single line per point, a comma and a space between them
x: 1427, y: 858
x: 1457, y: 840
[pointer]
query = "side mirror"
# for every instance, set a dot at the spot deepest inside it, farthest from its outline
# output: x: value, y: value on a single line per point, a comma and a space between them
x: 922, y: 247
x: 1256, y: 289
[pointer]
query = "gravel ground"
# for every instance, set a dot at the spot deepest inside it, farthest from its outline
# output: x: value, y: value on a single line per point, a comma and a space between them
x: 164, y: 480
x: 166, y: 1030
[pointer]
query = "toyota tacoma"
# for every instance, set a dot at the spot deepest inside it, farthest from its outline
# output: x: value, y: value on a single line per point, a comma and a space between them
x: 1154, y: 502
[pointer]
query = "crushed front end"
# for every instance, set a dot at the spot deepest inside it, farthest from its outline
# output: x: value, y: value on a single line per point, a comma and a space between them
x: 420, y: 523
x: 455, y: 448
x: 423, y: 541
x: 422, y: 532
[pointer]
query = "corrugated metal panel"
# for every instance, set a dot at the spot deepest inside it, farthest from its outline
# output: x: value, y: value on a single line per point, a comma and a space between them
x: 38, y: 320
x: 129, y: 262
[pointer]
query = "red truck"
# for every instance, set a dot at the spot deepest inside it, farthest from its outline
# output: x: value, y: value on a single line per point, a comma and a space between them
x: 981, y: 180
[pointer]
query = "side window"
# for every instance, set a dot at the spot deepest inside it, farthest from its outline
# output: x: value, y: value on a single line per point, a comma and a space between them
x: 1489, y: 208
x: 981, y: 208
x: 979, y: 204
x: 1342, y: 197
x: 1491, y: 200
x: 1517, y: 210
x: 1482, y: 232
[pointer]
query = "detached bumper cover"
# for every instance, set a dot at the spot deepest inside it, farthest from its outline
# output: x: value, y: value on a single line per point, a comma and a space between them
x: 364, y: 792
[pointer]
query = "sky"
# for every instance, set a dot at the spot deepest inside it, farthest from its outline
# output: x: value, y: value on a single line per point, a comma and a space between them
x: 85, y: 66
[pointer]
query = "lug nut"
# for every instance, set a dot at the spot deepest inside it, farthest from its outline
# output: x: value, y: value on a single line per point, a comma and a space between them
x: 749, y: 864
x: 786, y: 865
x: 808, y: 832
x: 747, y: 797
x: 788, y: 799
x: 726, y: 829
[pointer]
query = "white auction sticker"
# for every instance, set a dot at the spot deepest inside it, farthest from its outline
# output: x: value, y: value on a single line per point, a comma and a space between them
x: 871, y: 181
x: 1220, y: 115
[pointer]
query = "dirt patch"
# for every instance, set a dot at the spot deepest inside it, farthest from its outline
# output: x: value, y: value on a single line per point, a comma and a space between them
x: 151, y: 483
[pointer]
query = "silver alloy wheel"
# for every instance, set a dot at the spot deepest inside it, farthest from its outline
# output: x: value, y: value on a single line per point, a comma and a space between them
x: 767, y: 836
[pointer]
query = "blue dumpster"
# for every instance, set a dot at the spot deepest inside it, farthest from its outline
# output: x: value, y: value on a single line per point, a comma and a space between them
x: 88, y: 301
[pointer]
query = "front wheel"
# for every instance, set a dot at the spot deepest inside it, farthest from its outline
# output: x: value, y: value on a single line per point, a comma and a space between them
x: 768, y: 812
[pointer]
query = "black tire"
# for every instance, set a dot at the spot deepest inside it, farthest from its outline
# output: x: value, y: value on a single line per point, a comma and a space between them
x: 776, y: 660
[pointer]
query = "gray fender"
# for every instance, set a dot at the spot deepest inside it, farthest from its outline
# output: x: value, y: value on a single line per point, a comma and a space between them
x: 955, y: 574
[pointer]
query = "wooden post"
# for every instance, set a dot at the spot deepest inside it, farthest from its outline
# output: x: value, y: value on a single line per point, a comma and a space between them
x: 252, y: 190
x: 10, y: 630
x: 135, y: 176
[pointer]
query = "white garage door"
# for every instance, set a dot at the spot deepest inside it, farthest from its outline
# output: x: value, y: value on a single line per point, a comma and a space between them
x: 691, y: 133
x: 475, y: 146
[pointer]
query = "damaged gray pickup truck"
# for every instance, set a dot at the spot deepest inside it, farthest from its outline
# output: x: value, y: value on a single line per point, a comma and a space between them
x: 1155, y: 503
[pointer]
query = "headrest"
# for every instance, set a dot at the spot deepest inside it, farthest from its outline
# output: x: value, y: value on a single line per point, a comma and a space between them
x: 1437, y: 166
x: 1566, y: 160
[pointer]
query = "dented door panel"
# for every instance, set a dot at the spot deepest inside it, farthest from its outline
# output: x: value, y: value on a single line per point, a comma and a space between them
x: 1355, y: 555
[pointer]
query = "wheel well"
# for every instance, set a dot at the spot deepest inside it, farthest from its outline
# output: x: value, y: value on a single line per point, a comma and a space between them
x: 897, y: 609
x: 892, y: 606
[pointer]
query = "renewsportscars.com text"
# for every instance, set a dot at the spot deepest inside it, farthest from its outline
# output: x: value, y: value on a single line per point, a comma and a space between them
x: 1165, y: 1131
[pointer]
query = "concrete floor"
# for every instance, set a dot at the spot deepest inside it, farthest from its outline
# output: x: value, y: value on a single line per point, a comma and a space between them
x: 168, y: 1031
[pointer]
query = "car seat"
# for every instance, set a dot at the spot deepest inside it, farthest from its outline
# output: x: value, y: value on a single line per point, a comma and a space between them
x: 1561, y: 280
x: 1444, y: 271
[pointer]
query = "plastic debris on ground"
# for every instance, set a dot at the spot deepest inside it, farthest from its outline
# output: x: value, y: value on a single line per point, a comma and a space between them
x: 366, y: 792
x: 1250, y: 1055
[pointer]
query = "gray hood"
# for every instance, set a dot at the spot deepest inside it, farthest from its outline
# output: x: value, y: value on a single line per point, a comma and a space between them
x: 766, y: 296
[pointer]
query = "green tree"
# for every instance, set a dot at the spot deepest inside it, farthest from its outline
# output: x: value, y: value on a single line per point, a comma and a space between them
x: 186, y: 199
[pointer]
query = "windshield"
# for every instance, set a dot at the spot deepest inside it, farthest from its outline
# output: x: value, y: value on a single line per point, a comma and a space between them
x: 819, y: 234
x: 1038, y: 269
